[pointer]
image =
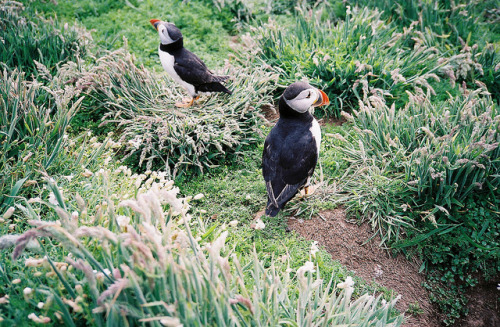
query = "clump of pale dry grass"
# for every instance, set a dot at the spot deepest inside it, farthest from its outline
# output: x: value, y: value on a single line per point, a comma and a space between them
x: 138, y: 260
x: 139, y: 104
x: 421, y: 160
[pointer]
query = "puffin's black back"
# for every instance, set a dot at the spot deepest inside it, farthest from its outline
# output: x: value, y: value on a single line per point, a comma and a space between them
x: 189, y: 67
x: 290, y: 153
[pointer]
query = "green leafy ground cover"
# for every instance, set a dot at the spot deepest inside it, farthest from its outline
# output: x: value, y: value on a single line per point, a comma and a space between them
x: 417, y: 157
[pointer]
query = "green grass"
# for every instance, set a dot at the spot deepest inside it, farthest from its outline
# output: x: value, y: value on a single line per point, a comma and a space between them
x: 87, y: 203
x: 110, y: 21
x: 30, y: 41
x: 384, y: 165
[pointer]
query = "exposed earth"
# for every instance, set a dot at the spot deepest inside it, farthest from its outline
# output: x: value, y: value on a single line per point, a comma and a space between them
x: 348, y: 243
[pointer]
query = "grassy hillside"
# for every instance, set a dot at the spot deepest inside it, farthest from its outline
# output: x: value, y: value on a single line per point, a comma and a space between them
x: 119, y: 208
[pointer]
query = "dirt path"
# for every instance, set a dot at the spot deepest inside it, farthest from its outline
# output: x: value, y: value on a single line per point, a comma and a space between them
x: 344, y: 241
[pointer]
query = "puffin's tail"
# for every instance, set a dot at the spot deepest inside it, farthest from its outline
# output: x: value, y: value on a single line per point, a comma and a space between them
x: 213, y: 87
x: 220, y: 78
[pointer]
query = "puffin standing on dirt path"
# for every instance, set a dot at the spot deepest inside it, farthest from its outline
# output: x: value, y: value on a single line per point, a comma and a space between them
x: 184, y: 66
x: 291, y: 149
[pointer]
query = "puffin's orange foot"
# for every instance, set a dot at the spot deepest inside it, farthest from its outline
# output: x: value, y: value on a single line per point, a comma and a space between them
x: 186, y: 102
x: 308, y: 190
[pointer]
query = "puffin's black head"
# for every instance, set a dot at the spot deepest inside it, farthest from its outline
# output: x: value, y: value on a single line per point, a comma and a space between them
x: 168, y: 32
x: 299, y: 97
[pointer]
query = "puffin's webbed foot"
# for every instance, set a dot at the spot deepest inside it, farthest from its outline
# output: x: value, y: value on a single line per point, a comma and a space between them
x: 186, y: 102
x: 306, y: 191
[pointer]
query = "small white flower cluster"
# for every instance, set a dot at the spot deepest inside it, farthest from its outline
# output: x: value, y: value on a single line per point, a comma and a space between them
x: 314, y: 249
x: 348, y: 283
x: 258, y: 224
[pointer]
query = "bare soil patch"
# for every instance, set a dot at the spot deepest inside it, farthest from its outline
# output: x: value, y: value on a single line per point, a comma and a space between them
x: 483, y: 305
x: 348, y: 243
x: 345, y: 242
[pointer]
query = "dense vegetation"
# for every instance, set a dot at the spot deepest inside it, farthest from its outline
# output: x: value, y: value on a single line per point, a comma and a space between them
x: 99, y: 168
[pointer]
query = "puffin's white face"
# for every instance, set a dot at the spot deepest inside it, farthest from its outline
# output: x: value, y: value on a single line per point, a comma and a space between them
x: 168, y: 32
x: 164, y: 36
x: 305, y: 100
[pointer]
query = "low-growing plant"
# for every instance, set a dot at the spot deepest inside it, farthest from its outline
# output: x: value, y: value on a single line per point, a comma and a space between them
x: 28, y: 38
x: 429, y: 172
x: 140, y: 107
x: 432, y: 157
x: 139, y: 261
x: 33, y: 120
x: 348, y: 58
x: 454, y: 20
x: 206, y: 31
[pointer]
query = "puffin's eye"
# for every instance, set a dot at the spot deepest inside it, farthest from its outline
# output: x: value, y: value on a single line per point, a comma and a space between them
x: 308, y: 95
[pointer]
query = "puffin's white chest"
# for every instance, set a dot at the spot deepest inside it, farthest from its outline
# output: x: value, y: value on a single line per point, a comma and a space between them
x: 316, y: 132
x: 167, y: 61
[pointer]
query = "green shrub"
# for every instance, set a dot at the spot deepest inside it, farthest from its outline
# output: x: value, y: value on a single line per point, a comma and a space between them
x: 429, y: 172
x: 138, y: 261
x: 423, y: 159
x: 206, y: 32
x: 28, y: 38
x: 454, y: 20
x: 156, y: 133
x: 362, y: 54
x: 33, y: 120
x: 455, y: 260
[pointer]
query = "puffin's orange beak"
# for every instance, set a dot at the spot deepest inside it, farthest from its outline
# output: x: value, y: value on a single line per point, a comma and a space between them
x: 322, y: 99
x: 155, y: 23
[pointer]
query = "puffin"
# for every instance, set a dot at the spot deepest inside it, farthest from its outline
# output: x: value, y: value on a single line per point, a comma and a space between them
x: 184, y: 66
x: 291, y: 149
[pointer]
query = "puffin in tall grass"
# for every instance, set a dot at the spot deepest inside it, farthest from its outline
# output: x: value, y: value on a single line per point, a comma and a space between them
x: 184, y: 66
x: 291, y: 149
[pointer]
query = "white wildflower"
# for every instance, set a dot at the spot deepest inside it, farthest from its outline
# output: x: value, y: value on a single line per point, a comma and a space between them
x: 259, y: 224
x: 52, y: 199
x: 170, y: 322
x: 9, y: 213
x: 123, y: 220
x: 27, y: 293
x: 40, y: 320
x: 233, y: 223
x: 87, y: 173
x: 4, y: 299
x: 314, y: 248
x: 199, y: 196
x: 347, y: 283
x: 307, y: 267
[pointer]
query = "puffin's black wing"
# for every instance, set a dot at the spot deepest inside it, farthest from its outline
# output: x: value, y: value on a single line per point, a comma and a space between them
x: 191, y: 69
x: 287, y: 164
